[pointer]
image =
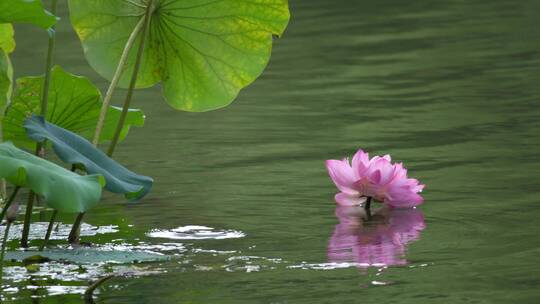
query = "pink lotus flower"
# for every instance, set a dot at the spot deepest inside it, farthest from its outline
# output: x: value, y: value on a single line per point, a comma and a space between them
x: 380, y: 243
x: 375, y: 178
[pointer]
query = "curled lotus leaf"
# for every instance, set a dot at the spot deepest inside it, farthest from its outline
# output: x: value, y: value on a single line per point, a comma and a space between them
x: 74, y: 149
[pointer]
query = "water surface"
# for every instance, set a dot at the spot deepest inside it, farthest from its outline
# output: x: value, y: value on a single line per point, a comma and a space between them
x: 452, y: 88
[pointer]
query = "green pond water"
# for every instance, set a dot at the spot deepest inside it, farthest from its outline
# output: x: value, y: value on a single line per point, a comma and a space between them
x: 452, y: 88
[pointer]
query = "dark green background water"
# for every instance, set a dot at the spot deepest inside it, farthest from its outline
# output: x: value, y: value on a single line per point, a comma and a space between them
x: 452, y: 88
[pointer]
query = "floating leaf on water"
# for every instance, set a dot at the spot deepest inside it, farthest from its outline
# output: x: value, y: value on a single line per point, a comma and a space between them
x: 32, y: 268
x: 58, y: 277
x: 35, y: 259
x: 89, y: 256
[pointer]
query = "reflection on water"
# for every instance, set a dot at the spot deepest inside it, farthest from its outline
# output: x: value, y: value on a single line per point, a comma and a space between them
x: 382, y: 241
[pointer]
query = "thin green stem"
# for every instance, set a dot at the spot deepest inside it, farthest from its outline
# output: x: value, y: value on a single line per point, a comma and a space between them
x: 3, y: 186
x: 27, y: 219
x: 3, y: 192
x: 9, y: 201
x: 48, y: 64
x: 49, y: 230
x: 138, y: 60
x: 74, y: 233
x: 4, y: 241
x: 114, y: 81
x: 75, y: 228
x: 48, y: 68
x: 40, y: 151
x: 88, y: 294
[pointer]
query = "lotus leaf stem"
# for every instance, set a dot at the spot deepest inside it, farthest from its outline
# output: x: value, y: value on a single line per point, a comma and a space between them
x: 3, y: 193
x: 75, y: 228
x: 27, y: 219
x: 11, y: 216
x: 88, y: 294
x: 4, y: 241
x: 74, y: 233
x: 48, y: 64
x: 40, y: 151
x: 9, y: 201
x: 114, y: 82
x: 133, y: 81
x: 49, y: 230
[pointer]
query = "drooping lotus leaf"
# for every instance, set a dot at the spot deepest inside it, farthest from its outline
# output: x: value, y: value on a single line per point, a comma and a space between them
x: 74, y: 104
x: 87, y: 256
x: 74, y: 149
x: 26, y: 11
x: 204, y: 52
x: 62, y: 189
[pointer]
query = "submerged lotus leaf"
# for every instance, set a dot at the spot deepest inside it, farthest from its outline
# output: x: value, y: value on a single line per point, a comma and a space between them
x: 74, y: 149
x: 26, y: 11
x: 204, y: 52
x: 86, y: 256
x: 74, y: 104
x: 62, y: 189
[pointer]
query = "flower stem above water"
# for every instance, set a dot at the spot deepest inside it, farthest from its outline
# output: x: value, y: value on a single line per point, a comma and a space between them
x: 367, y: 207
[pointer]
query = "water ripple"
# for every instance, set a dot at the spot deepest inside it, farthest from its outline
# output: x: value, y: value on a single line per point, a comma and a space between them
x: 195, y: 233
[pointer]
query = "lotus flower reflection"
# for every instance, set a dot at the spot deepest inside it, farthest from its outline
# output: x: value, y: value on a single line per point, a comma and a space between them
x: 377, y: 178
x: 380, y: 241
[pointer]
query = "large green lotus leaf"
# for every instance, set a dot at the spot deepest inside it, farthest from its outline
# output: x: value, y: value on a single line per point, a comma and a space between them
x: 87, y: 256
x: 7, y: 42
x: 74, y: 104
x: 62, y: 189
x: 204, y: 51
x: 74, y: 149
x: 26, y: 11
